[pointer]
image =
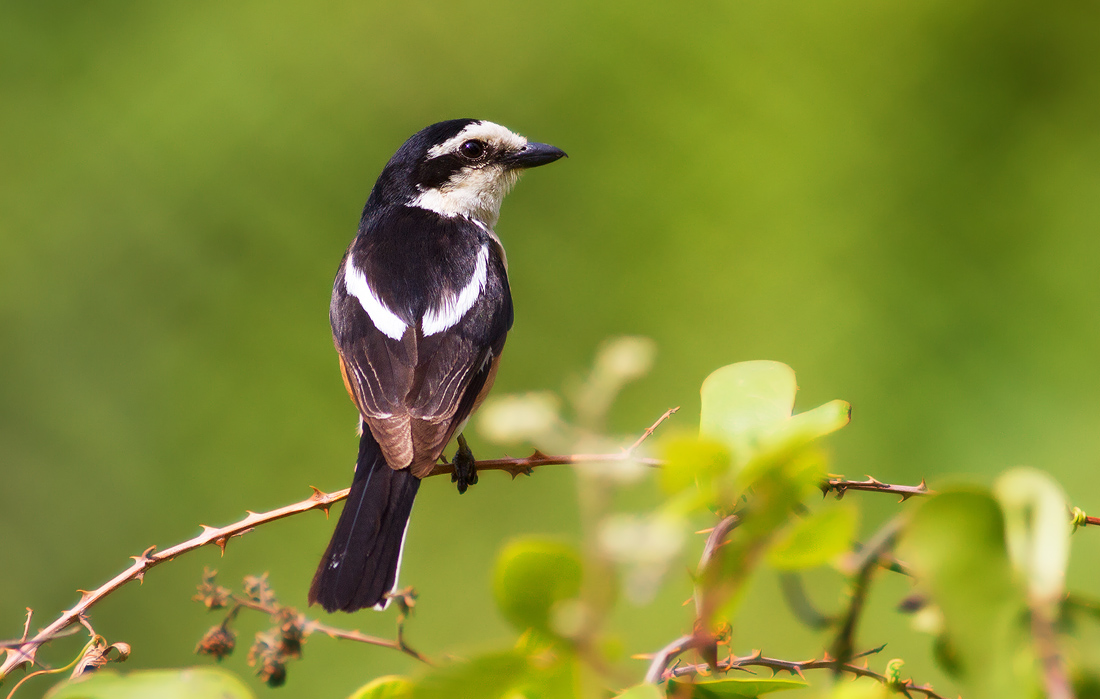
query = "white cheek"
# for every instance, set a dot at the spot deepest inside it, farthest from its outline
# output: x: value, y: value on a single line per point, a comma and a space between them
x: 475, y: 193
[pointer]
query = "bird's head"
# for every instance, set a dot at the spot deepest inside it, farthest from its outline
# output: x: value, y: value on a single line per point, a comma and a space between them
x: 462, y: 167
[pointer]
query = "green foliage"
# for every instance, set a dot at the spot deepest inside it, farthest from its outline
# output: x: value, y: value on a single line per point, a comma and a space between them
x: 531, y: 575
x: 642, y: 691
x: 955, y: 544
x: 198, y: 682
x: 815, y: 540
x: 384, y: 687
x: 493, y: 675
x: 987, y: 567
x: 733, y: 687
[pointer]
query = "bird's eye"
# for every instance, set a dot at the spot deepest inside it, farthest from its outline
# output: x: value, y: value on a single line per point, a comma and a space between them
x: 472, y: 149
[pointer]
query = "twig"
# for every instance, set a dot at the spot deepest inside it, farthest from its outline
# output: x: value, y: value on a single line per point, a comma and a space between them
x: 794, y: 593
x: 150, y: 558
x: 715, y: 540
x: 335, y: 632
x: 841, y: 485
x: 523, y: 465
x: 1081, y: 520
x: 25, y: 653
x: 700, y: 640
x: 864, y: 568
x: 661, y: 659
x: 796, y: 668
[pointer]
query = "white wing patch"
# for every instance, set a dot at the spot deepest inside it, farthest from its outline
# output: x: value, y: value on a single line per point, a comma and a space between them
x: 453, y: 307
x: 382, y: 318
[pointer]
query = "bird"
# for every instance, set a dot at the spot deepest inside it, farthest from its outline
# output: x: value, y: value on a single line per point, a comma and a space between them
x: 421, y: 307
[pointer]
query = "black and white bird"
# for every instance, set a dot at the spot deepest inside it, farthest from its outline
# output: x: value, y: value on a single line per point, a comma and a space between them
x: 420, y: 310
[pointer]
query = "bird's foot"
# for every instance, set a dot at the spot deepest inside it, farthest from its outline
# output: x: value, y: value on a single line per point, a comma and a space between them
x: 465, y: 466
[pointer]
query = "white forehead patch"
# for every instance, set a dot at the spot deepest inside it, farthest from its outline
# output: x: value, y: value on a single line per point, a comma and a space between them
x: 482, y: 131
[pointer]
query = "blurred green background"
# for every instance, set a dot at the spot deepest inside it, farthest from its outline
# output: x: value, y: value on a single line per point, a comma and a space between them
x: 900, y: 200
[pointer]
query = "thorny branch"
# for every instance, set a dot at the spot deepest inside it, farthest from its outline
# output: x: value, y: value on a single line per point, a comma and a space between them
x: 24, y: 653
x: 797, y: 667
x: 24, y: 650
x: 523, y: 465
x: 272, y: 650
x: 864, y: 569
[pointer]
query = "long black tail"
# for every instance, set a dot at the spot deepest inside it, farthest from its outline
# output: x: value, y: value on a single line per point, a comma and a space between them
x: 360, y: 565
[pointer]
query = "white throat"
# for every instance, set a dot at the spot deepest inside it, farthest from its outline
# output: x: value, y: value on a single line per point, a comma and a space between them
x: 475, y: 193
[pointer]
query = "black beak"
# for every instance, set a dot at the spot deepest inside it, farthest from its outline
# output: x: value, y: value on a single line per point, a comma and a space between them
x: 535, y: 154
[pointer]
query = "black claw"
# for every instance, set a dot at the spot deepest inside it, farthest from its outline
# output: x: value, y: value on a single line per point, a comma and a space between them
x: 465, y: 466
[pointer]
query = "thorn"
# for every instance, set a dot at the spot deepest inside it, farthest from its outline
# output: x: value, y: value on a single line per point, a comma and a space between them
x: 687, y: 602
x: 221, y: 542
x: 705, y: 532
x: 537, y: 455
x: 326, y: 511
x: 318, y: 494
x: 140, y: 576
x: 206, y: 529
x: 250, y: 513
x: 922, y: 486
x: 874, y: 481
x: 144, y: 556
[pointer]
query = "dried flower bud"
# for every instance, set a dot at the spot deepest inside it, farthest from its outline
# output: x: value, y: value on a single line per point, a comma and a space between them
x: 291, y: 631
x: 259, y: 590
x: 210, y: 594
x: 269, y: 661
x: 98, y: 655
x: 219, y: 642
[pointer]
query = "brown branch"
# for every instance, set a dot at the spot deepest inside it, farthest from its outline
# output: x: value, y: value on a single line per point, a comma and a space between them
x: 840, y: 485
x: 699, y: 640
x: 796, y: 668
x: 25, y: 653
x: 150, y: 558
x: 523, y: 465
x: 311, y: 626
x: 864, y: 569
x: 1081, y: 520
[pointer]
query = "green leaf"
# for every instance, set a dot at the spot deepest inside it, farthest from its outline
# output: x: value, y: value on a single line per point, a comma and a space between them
x: 815, y: 540
x: 385, y: 687
x: 746, y: 400
x: 490, y: 676
x: 196, y: 682
x: 733, y: 687
x: 1037, y: 531
x: 748, y: 406
x: 693, y: 462
x: 955, y: 544
x: 531, y: 575
x: 642, y: 691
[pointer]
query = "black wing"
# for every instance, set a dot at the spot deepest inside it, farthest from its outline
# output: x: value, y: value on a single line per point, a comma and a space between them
x: 414, y: 390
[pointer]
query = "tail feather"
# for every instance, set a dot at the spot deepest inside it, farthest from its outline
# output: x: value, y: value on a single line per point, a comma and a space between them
x: 361, y: 563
